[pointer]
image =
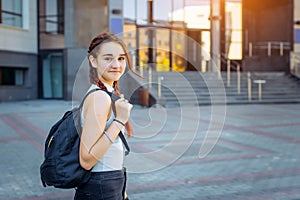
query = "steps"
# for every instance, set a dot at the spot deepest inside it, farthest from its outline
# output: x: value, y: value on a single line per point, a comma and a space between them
x: 195, y: 88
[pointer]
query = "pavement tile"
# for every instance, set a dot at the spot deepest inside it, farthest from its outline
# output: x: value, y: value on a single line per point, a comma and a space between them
x: 256, y: 156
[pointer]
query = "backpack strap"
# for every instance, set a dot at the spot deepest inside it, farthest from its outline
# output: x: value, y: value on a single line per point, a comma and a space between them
x: 125, y: 143
x: 87, y: 94
x: 114, y: 98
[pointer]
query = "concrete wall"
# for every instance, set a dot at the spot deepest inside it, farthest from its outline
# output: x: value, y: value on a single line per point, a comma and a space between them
x: 267, y: 21
x: 75, y: 73
x: 297, y: 26
x: 18, y: 49
x: 83, y: 21
x: 21, y: 39
x: 24, y: 61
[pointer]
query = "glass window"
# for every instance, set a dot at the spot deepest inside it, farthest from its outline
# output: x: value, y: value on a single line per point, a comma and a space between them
x: 234, y: 30
x: 143, y: 48
x: 130, y: 36
x: 12, y: 76
x: 162, y: 50
x: 11, y: 12
x: 54, y: 18
x: 178, y: 51
x: 130, y: 41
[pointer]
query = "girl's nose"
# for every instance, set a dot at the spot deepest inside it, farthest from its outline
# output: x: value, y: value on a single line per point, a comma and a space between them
x: 115, y: 63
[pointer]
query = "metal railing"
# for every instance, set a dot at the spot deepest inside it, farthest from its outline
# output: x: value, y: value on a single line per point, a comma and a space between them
x: 270, y: 48
x: 251, y: 78
x: 232, y: 65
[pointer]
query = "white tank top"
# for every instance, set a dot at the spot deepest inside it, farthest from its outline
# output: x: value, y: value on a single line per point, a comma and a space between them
x: 114, y: 156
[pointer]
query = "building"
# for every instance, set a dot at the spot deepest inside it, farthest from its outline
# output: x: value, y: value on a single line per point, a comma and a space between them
x: 43, y: 43
x: 18, y: 50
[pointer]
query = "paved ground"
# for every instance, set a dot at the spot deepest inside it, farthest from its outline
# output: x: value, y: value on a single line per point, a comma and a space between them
x: 177, y: 153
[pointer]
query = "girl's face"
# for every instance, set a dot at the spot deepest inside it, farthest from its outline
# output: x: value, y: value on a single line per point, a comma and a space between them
x: 110, y: 62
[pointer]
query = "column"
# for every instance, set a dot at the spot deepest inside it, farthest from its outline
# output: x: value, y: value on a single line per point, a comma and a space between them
x: 215, y: 21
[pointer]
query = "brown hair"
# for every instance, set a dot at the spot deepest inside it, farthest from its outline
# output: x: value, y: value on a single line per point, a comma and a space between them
x: 94, y: 48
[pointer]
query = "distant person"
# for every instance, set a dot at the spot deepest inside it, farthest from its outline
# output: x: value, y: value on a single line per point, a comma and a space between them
x: 101, y: 148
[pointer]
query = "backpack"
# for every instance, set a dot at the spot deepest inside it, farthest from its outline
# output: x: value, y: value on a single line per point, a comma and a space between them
x: 61, y: 167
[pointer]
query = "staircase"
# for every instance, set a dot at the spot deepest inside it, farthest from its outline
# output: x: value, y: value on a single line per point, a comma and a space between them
x: 194, y: 88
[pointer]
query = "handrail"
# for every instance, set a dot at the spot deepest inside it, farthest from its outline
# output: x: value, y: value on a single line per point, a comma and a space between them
x: 269, y: 46
x: 274, y: 43
x: 231, y: 64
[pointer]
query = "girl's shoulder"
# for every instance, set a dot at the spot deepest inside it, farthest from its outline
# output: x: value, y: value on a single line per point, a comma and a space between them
x: 98, y: 99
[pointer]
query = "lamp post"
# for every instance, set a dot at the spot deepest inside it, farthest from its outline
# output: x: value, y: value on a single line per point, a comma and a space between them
x: 150, y: 34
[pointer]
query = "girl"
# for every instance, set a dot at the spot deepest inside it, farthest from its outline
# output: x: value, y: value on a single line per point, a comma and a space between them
x: 101, y: 148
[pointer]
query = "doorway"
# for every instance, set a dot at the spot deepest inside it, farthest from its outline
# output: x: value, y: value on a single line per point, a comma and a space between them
x: 52, y: 75
x: 164, y: 52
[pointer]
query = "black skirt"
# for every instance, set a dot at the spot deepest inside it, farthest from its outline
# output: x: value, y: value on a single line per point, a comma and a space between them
x: 108, y: 185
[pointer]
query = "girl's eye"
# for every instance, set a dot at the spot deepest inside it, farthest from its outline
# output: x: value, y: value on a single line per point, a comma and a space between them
x: 121, y: 58
x: 107, y: 58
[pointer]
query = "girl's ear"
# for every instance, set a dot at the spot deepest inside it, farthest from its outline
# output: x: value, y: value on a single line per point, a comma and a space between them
x: 93, y: 61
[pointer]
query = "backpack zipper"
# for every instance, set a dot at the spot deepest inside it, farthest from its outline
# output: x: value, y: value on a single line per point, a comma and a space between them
x: 50, y: 141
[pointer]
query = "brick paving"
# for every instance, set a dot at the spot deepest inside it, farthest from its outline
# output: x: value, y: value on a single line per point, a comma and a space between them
x: 256, y: 156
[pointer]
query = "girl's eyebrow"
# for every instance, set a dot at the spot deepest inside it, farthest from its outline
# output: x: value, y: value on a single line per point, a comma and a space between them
x: 107, y: 55
x: 112, y: 55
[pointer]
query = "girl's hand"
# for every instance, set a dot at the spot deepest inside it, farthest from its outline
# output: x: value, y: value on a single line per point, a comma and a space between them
x: 123, y: 108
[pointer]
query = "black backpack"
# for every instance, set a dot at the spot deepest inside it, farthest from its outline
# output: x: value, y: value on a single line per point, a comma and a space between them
x: 61, y: 167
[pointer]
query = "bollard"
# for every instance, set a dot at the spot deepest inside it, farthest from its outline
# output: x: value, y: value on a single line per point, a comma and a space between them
x: 133, y: 63
x: 219, y: 66
x: 238, y: 79
x: 259, y: 82
x: 281, y: 48
x: 141, y: 70
x: 228, y: 73
x: 160, y: 78
x: 249, y: 86
x: 269, y: 48
x: 150, y: 77
x: 250, y: 49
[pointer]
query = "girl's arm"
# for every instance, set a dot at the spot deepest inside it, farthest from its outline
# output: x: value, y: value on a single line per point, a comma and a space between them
x: 94, y: 143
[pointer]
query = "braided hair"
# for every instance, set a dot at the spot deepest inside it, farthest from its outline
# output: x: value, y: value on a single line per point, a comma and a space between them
x: 93, y: 50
